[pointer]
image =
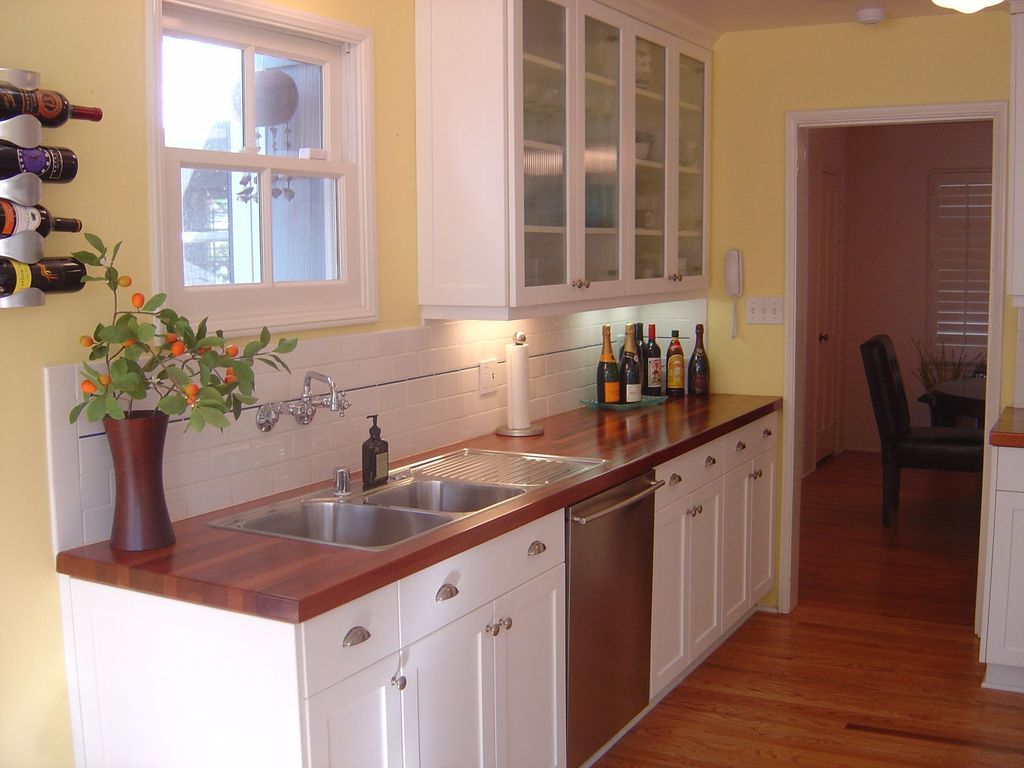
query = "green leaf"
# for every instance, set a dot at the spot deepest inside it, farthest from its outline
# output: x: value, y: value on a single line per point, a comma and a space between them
x: 96, y: 243
x: 285, y: 346
x: 269, y: 362
x: 282, y: 363
x: 177, y: 375
x: 118, y: 368
x: 246, y: 379
x: 208, y: 393
x: 210, y: 341
x: 251, y: 349
x: 212, y: 416
x: 111, y: 275
x: 196, y: 421
x: 236, y: 407
x: 98, y: 352
x: 154, y: 303
x: 113, y: 334
x: 145, y: 332
x: 88, y: 257
x: 96, y: 409
x: 113, y: 255
x: 172, y: 405
x: 92, y: 278
x: 113, y: 408
x: 76, y: 411
x: 265, y: 336
x: 201, y: 330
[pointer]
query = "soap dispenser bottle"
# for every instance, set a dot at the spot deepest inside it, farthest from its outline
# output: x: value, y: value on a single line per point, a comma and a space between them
x: 375, y: 457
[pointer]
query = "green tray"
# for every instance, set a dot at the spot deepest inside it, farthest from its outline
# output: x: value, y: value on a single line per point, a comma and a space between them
x: 645, y: 402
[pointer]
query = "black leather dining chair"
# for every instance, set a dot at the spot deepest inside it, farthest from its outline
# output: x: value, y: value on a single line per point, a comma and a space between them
x: 903, y: 446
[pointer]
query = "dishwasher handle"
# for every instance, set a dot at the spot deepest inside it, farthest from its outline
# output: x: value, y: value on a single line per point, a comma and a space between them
x: 654, y: 485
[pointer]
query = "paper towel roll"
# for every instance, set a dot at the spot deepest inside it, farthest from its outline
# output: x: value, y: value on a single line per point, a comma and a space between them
x: 517, y: 385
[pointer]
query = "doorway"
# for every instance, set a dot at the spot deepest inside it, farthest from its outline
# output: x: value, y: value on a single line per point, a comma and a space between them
x: 798, y: 292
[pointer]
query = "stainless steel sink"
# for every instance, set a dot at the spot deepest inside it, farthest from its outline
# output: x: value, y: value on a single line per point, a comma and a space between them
x: 330, y: 521
x: 453, y: 496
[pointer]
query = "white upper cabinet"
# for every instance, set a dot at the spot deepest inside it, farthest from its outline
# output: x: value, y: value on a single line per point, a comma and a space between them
x: 560, y: 159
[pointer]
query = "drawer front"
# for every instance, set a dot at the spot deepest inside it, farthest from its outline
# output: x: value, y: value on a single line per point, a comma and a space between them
x: 1009, y: 469
x: 749, y: 440
x: 688, y: 472
x: 343, y: 641
x: 443, y: 592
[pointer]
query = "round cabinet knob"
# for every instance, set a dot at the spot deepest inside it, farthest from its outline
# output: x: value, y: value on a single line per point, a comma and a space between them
x: 355, y: 636
x: 586, y: 283
x: 700, y: 509
x: 536, y: 548
x: 399, y: 682
x: 506, y: 622
x: 446, y: 592
x: 692, y: 511
x: 675, y: 479
x: 493, y: 629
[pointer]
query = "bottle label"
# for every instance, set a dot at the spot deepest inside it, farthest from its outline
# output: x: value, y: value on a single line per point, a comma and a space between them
x: 22, y: 276
x: 633, y: 393
x: 654, y: 372
x: 611, y: 392
x: 382, y: 466
x: 699, y: 385
x: 675, y: 372
x: 16, y: 218
x: 46, y: 163
x: 48, y: 105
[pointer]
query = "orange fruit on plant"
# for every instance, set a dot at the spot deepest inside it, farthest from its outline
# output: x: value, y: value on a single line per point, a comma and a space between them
x: 86, y: 341
x: 87, y: 386
x: 124, y: 281
x: 128, y: 343
x: 170, y: 337
x: 231, y: 350
x: 191, y: 390
x: 104, y: 379
x: 138, y: 300
x: 191, y: 399
x: 178, y: 348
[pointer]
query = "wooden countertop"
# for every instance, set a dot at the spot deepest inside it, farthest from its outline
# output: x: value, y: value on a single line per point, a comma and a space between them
x: 293, y: 580
x: 1009, y: 430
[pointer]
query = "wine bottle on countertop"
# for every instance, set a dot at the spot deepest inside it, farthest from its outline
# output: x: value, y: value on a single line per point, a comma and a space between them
x: 58, y: 164
x: 50, y: 108
x: 630, y: 378
x: 15, y: 218
x: 675, y: 365
x: 652, y: 380
x: 49, y: 275
x: 607, y: 370
x: 641, y: 353
x: 698, y: 373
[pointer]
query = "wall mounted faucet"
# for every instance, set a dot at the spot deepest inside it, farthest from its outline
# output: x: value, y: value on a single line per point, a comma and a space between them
x: 304, y: 407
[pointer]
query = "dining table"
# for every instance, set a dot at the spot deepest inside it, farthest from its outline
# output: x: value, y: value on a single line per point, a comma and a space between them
x: 961, y: 397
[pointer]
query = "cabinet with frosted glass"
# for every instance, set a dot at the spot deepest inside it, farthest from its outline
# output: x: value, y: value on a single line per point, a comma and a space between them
x: 560, y: 159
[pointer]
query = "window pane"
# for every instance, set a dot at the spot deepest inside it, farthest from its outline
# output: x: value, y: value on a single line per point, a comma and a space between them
x: 289, y: 105
x: 206, y: 117
x: 305, y: 225
x: 220, y: 226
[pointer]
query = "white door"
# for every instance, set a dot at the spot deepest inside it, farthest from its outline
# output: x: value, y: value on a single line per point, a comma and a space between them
x: 358, y: 721
x: 448, y: 702
x: 704, y: 568
x: 823, y: 342
x: 530, y: 673
x: 668, y: 621
x: 735, y: 524
x: 762, y: 514
x: 1005, y: 637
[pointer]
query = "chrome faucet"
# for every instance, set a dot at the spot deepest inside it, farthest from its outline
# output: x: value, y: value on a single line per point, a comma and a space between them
x: 304, y: 407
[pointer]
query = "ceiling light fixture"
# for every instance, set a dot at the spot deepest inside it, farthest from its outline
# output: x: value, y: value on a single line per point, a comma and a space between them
x: 966, y: 6
x: 870, y: 15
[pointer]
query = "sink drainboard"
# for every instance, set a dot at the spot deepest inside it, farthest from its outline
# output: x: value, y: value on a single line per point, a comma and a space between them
x: 498, y: 467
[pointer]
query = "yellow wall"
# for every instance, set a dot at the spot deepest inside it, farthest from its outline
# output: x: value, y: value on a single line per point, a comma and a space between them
x: 757, y: 78
x: 94, y: 50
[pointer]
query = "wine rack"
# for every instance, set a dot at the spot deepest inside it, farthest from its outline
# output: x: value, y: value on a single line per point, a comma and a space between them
x: 24, y: 189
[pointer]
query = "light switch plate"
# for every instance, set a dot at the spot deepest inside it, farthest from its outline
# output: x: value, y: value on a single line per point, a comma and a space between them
x: 764, y: 310
x: 488, y: 376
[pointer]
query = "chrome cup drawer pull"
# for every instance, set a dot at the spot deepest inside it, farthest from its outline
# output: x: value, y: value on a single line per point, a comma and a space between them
x: 446, y: 592
x: 399, y: 682
x: 536, y: 548
x: 710, y: 461
x: 740, y: 446
x: 766, y: 433
x: 675, y: 479
x: 355, y: 636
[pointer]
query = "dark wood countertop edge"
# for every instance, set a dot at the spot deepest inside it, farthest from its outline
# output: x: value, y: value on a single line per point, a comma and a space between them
x: 1008, y: 431
x: 409, y: 557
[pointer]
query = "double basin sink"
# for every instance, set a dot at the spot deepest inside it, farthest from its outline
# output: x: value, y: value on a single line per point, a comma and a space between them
x: 422, y: 497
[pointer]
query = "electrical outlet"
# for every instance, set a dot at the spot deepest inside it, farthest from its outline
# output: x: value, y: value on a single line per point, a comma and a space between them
x: 488, y: 376
x: 764, y: 310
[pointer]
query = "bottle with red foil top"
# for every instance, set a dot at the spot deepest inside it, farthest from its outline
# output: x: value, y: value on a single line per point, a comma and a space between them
x: 49, y: 275
x: 15, y: 218
x: 57, y: 164
x: 50, y: 108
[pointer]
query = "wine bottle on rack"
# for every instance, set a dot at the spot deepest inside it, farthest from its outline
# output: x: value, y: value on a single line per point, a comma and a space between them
x: 57, y: 164
x: 652, y: 381
x: 698, y: 373
x: 49, y: 275
x: 15, y: 218
x: 675, y: 363
x: 607, y: 370
x: 50, y: 108
x: 630, y: 378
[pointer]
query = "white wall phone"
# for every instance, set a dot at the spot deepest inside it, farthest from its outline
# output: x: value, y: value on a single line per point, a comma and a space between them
x: 734, y: 280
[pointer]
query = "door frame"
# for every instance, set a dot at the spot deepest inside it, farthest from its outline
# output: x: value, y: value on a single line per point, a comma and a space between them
x: 795, y: 352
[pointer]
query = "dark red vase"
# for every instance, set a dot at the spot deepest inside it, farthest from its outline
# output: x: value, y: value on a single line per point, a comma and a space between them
x: 141, y: 519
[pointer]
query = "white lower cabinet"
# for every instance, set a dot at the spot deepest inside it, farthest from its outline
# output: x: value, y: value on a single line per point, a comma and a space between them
x: 713, y: 545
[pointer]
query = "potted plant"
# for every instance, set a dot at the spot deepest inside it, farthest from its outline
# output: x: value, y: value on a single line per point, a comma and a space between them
x: 157, y: 365
x: 945, y: 365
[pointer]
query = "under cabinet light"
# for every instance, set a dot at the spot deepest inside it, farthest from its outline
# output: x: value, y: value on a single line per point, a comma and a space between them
x: 966, y: 6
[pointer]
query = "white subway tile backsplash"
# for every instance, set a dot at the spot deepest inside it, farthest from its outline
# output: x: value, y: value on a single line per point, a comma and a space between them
x: 422, y: 381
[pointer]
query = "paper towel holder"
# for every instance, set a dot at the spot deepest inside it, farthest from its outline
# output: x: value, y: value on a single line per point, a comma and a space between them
x: 518, y: 339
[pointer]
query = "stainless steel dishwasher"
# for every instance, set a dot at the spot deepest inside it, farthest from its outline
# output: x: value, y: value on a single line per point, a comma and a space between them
x: 610, y: 543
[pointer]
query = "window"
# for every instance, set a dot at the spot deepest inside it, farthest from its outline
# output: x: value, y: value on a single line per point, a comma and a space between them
x: 266, y: 168
x: 959, y: 256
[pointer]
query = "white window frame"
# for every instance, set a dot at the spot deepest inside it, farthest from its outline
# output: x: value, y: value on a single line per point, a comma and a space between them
x: 346, y: 55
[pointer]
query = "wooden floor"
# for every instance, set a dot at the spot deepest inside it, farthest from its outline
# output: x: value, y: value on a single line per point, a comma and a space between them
x: 877, y: 666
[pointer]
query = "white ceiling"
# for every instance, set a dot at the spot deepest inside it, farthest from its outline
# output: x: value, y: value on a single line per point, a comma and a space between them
x: 735, y: 15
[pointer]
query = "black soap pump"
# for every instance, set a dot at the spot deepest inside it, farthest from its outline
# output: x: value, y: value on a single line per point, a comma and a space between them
x: 375, y: 457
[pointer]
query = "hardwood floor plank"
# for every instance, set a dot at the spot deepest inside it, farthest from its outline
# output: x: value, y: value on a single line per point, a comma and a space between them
x: 877, y: 666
